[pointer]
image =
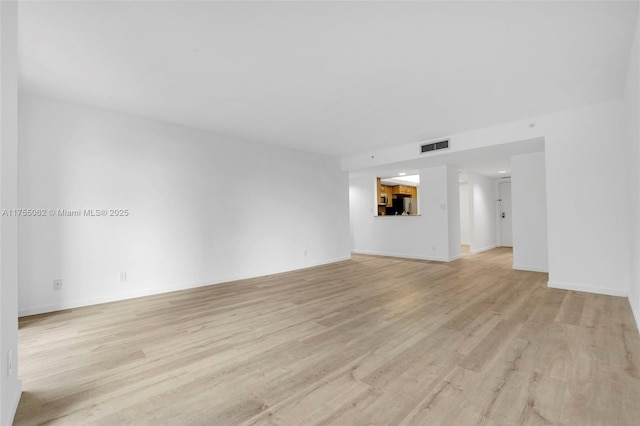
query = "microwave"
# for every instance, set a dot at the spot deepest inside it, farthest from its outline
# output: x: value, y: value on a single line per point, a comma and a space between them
x: 383, y: 199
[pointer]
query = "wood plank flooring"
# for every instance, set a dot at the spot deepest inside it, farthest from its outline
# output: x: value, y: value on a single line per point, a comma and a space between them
x: 373, y: 340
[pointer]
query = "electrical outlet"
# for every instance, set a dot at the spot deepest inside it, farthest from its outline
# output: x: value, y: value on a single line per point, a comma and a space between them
x: 305, y: 252
x: 57, y: 285
x: 123, y: 277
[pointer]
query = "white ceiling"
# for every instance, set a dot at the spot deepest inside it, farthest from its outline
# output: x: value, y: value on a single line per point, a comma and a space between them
x: 331, y: 77
x: 486, y: 161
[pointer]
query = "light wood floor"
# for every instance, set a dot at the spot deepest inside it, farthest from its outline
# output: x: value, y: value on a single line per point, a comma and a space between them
x: 369, y: 341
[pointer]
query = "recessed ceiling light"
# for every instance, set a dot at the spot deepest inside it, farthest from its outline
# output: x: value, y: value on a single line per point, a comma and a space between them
x: 401, y: 174
x: 502, y: 171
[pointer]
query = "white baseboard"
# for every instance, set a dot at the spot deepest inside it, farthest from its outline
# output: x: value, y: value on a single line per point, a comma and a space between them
x: 636, y: 313
x: 530, y: 268
x: 78, y: 303
x: 480, y: 250
x: 587, y: 289
x: 310, y: 265
x: 404, y: 256
x: 14, y: 404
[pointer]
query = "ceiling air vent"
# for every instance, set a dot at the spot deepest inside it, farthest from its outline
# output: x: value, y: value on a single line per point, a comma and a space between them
x: 434, y: 146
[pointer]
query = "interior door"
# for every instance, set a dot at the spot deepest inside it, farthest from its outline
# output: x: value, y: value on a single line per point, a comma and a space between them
x: 506, y: 229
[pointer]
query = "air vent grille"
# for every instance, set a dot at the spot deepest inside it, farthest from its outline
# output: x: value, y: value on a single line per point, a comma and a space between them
x: 434, y: 146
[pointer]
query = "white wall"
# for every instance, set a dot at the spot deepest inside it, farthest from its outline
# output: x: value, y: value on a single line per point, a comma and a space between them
x: 203, y: 208
x: 529, y: 212
x: 587, y: 202
x: 482, y: 210
x: 586, y: 155
x: 631, y: 96
x: 425, y: 236
x: 465, y: 235
x: 10, y: 386
x: 453, y: 210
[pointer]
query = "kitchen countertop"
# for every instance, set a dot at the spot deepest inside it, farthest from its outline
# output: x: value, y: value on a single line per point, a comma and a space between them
x: 399, y: 215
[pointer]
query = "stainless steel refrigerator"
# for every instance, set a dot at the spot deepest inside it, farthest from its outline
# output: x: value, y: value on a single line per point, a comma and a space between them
x: 410, y: 205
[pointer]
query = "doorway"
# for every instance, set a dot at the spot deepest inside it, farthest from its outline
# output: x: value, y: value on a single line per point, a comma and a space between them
x: 505, y: 217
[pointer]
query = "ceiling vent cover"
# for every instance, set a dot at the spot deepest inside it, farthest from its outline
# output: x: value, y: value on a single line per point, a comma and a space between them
x: 434, y: 146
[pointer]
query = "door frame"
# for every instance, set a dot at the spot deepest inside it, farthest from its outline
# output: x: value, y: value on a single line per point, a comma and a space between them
x: 498, y: 211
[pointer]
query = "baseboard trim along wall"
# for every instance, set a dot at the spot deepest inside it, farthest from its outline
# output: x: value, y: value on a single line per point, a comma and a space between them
x: 586, y: 289
x: 530, y: 268
x: 406, y: 256
x: 78, y: 303
x: 14, y: 405
x: 636, y: 314
x: 480, y: 250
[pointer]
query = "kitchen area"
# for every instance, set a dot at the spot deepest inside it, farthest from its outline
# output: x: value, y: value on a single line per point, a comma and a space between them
x: 397, y: 196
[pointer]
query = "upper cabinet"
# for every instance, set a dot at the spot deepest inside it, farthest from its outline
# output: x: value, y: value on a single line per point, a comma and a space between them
x: 402, y: 190
x: 381, y: 194
x: 381, y: 199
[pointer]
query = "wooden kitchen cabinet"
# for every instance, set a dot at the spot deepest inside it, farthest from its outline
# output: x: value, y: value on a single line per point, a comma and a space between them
x: 401, y: 190
x: 380, y: 192
x: 386, y: 190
